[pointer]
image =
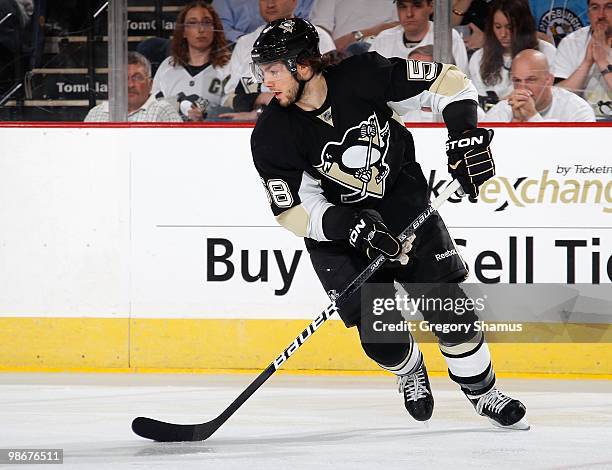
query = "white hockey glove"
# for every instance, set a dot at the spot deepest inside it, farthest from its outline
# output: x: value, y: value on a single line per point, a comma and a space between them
x: 371, y: 236
x: 470, y: 160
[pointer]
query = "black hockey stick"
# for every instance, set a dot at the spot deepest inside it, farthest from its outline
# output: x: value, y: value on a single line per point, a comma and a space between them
x: 169, y: 432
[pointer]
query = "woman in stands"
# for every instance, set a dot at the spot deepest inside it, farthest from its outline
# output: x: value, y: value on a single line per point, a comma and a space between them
x: 510, y: 28
x: 196, y: 71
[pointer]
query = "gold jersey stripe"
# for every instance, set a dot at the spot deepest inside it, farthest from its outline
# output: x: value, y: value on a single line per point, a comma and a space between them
x: 295, y: 220
x: 450, y: 81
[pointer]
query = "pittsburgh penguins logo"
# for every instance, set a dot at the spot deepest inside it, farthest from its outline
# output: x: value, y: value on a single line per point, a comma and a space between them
x: 250, y: 85
x: 559, y: 22
x: 287, y: 26
x: 358, y: 162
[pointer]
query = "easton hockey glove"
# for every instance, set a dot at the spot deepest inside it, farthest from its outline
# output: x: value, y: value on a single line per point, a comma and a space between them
x: 370, y: 235
x: 470, y: 160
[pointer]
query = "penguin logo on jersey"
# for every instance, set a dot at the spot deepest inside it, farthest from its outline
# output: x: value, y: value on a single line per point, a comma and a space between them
x: 358, y: 162
x: 250, y: 85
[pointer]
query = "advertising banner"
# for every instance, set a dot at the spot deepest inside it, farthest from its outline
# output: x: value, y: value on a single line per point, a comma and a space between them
x: 159, y: 222
x: 204, y: 242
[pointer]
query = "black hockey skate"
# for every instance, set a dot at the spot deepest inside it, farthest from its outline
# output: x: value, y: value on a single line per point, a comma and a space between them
x: 417, y: 393
x: 502, y: 411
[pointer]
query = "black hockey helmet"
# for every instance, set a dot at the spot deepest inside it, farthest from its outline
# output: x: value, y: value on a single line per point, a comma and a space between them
x: 286, y: 40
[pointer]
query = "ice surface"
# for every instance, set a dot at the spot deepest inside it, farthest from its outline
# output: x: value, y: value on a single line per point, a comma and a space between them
x: 302, y: 422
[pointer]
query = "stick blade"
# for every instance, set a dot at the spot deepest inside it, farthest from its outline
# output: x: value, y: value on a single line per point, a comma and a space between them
x: 161, y: 431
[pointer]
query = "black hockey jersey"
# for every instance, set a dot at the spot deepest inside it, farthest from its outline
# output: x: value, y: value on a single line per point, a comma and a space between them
x: 350, y: 151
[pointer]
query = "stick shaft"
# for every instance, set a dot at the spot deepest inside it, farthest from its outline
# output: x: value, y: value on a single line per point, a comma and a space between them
x: 332, y: 308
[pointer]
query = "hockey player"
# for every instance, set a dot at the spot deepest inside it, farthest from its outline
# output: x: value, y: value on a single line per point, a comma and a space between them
x: 340, y: 171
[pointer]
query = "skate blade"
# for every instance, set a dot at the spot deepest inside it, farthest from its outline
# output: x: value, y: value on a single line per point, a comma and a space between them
x: 521, y: 425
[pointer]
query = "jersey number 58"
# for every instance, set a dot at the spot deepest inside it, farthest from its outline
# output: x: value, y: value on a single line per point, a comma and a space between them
x: 278, y: 192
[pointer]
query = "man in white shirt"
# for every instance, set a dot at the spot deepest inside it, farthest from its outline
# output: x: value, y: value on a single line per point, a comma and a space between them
x: 353, y: 21
x: 244, y: 94
x: 534, y: 98
x: 584, y: 58
x: 142, y: 105
x: 415, y: 30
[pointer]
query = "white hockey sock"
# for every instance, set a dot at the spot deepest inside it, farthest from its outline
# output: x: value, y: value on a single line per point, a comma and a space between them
x: 469, y: 364
x: 409, y: 363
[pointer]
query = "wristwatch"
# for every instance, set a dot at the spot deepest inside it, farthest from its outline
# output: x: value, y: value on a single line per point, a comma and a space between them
x: 607, y: 70
x: 358, y: 36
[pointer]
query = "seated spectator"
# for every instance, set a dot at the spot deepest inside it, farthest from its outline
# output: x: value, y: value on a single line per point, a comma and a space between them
x: 352, y: 22
x: 244, y: 95
x: 416, y: 112
x: 142, y: 105
x: 197, y: 69
x: 471, y: 14
x: 584, y: 59
x: 415, y: 30
x: 534, y: 97
x: 509, y: 29
x: 240, y: 17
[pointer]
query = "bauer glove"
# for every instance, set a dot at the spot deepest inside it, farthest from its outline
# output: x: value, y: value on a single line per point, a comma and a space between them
x: 371, y: 236
x: 470, y: 160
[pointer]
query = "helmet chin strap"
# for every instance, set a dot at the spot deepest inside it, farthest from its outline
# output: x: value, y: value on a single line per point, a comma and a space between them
x: 301, y: 85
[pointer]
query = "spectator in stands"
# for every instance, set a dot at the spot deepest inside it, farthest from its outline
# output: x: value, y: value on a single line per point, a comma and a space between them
x: 534, y: 98
x: 244, y: 95
x: 240, y: 17
x: 416, y: 112
x: 352, y: 22
x: 509, y: 29
x: 471, y: 14
x: 584, y: 58
x: 196, y: 71
x: 415, y: 30
x: 142, y: 105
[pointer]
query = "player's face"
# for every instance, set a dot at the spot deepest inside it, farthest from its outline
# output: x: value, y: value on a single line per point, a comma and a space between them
x: 526, y: 76
x: 502, y: 29
x: 278, y: 78
x: 199, y: 28
x: 414, y: 16
x: 139, y: 86
x: 600, y: 13
x: 271, y: 10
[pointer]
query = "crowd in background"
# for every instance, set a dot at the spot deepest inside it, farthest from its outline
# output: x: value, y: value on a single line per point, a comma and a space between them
x: 528, y: 63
